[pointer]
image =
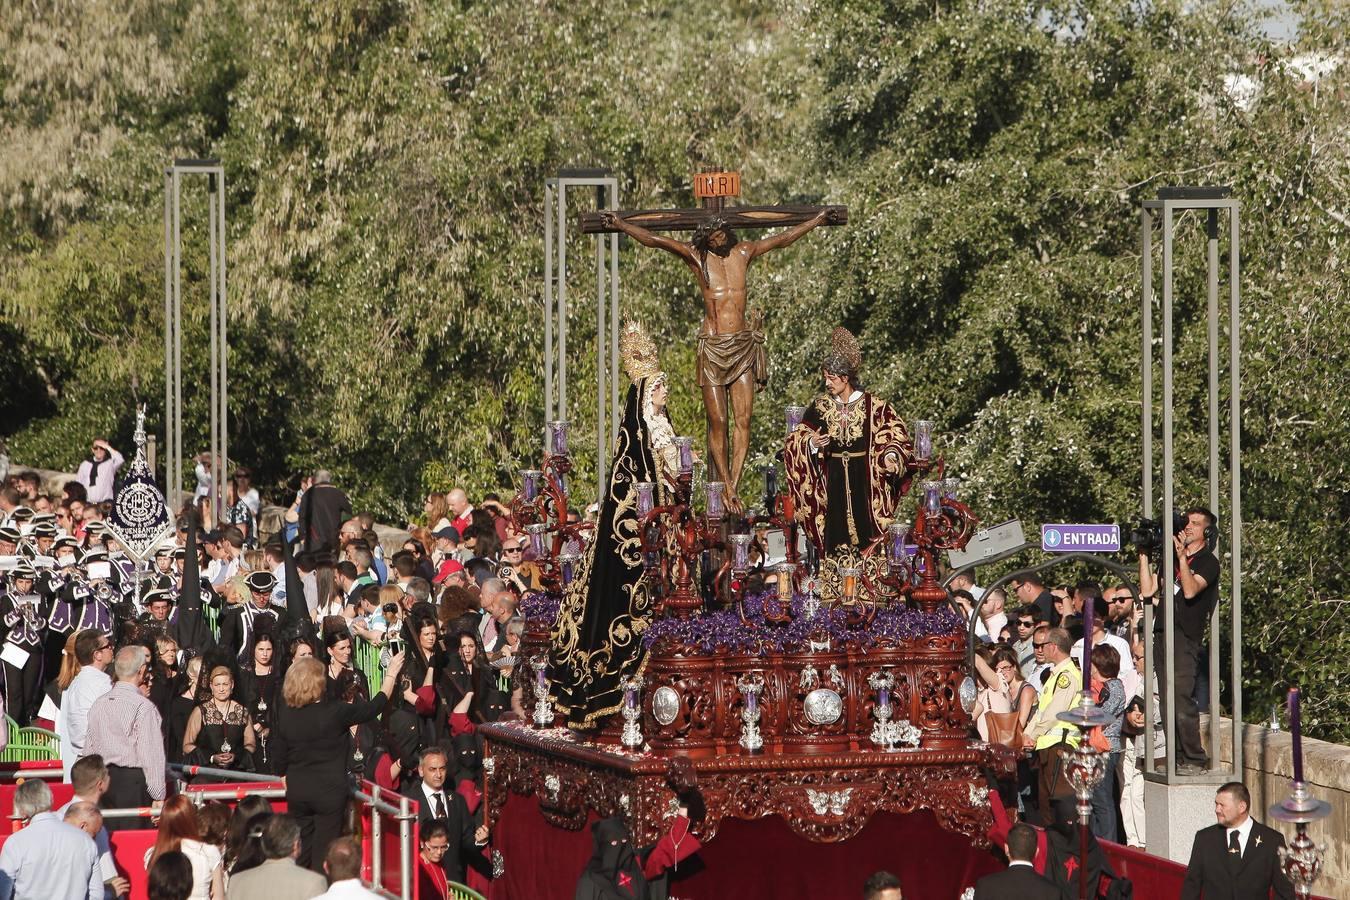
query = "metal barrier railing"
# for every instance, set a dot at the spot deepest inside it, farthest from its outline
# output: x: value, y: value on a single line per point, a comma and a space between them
x: 401, y: 810
x: 380, y: 801
x: 189, y: 770
x: 366, y: 659
x: 24, y: 774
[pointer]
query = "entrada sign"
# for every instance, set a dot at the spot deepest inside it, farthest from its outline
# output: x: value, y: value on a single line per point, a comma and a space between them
x: 1080, y: 538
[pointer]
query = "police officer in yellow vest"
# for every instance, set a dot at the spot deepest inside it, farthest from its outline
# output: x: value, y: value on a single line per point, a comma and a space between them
x: 1045, y: 734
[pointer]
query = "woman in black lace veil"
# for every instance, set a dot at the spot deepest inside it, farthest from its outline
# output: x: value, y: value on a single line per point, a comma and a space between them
x: 597, y: 639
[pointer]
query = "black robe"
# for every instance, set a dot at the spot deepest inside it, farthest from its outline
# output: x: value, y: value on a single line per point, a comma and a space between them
x: 615, y: 870
x: 845, y: 493
x: 597, y: 639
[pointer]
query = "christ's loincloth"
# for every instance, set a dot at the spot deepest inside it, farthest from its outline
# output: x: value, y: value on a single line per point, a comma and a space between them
x: 724, y: 358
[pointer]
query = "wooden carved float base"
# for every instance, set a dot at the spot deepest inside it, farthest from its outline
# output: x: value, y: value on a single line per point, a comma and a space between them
x: 823, y: 797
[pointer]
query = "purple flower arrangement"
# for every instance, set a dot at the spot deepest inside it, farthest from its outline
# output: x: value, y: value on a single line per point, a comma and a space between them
x: 724, y: 632
x: 540, y: 607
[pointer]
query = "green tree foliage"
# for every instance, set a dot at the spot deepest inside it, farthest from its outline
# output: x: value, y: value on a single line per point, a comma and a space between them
x: 385, y: 161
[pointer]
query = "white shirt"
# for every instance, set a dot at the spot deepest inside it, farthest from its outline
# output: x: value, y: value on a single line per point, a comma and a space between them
x: 72, y: 722
x: 1122, y: 647
x: 203, y: 481
x: 50, y: 860
x: 106, y: 866
x: 205, y: 859
x: 431, y: 804
x: 220, y: 571
x: 350, y: 889
x: 989, y: 630
x: 1244, y: 831
x: 279, y: 592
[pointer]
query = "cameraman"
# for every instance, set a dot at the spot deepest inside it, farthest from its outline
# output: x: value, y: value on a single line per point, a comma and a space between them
x: 1196, y: 576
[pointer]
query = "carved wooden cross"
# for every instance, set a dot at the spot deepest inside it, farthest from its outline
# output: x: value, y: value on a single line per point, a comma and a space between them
x: 732, y: 363
x: 713, y: 187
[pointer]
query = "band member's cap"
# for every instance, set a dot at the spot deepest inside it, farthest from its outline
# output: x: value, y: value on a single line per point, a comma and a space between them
x: 23, y: 569
x: 157, y: 595
x: 10, y: 534
x: 261, y: 582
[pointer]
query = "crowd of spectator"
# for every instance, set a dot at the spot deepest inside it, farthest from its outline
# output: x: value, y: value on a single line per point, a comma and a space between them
x: 369, y: 658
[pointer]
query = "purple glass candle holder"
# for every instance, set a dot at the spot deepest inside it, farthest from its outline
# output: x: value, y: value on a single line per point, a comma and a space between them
x: 932, y: 497
x: 646, y: 497
x: 950, y: 487
x: 794, y: 416
x: 714, y: 491
x: 896, y: 533
x: 529, y: 484
x: 685, y: 446
x: 537, y: 546
x: 923, y: 439
x: 557, y: 437
x: 568, y: 563
x: 740, y: 552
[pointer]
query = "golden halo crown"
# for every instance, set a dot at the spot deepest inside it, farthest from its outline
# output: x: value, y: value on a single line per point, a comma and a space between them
x: 844, y: 356
x: 638, y: 352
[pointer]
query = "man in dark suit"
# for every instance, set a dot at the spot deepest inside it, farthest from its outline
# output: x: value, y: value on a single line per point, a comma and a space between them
x: 1020, y: 881
x: 241, y: 622
x: 436, y: 802
x: 322, y: 510
x: 1238, y: 858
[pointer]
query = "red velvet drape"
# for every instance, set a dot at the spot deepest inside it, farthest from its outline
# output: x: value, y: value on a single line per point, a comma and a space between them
x: 760, y: 858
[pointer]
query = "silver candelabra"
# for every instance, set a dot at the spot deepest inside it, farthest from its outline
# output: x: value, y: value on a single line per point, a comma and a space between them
x: 1084, y: 768
x: 1302, y: 859
x: 543, y: 709
x: 632, y: 713
x: 886, y: 734
x: 750, y: 686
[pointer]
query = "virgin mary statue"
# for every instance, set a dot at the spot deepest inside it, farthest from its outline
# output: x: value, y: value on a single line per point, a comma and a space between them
x: 597, y: 639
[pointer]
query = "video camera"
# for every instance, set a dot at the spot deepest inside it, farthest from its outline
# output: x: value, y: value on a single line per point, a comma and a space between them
x: 1148, y: 534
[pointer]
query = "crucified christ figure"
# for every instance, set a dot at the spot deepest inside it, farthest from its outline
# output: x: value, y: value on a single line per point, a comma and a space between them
x: 732, y: 363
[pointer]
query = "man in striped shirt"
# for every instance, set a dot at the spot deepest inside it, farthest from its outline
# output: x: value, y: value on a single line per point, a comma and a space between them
x: 124, y: 728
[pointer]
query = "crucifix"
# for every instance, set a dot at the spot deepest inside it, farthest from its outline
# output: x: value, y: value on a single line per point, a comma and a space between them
x: 732, y: 363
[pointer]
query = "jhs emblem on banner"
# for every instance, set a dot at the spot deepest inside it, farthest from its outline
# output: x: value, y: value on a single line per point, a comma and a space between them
x: 139, y: 517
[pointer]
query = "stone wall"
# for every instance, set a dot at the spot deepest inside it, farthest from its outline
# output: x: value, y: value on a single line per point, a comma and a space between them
x: 1268, y: 769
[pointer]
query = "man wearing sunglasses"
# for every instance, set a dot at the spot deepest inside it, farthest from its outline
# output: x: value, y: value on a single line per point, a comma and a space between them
x: 1024, y: 622
x: 94, y: 651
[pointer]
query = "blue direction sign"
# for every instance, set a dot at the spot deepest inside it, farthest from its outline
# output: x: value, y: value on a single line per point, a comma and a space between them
x: 1080, y: 538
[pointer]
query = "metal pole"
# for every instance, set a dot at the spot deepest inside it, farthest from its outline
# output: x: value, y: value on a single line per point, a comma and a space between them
x: 178, y: 332
x: 405, y: 848
x: 376, y: 848
x: 1082, y: 858
x: 224, y: 343
x: 614, y: 407
x: 600, y: 370
x: 1146, y: 434
x: 215, y: 350
x: 170, y: 489
x: 562, y: 299
x: 1212, y: 313
x: 1235, y: 477
x: 1165, y: 576
x: 548, y: 304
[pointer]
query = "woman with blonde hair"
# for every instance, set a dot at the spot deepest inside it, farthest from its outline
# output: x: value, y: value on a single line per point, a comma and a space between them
x: 311, y: 749
x: 70, y: 664
x: 220, y: 731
